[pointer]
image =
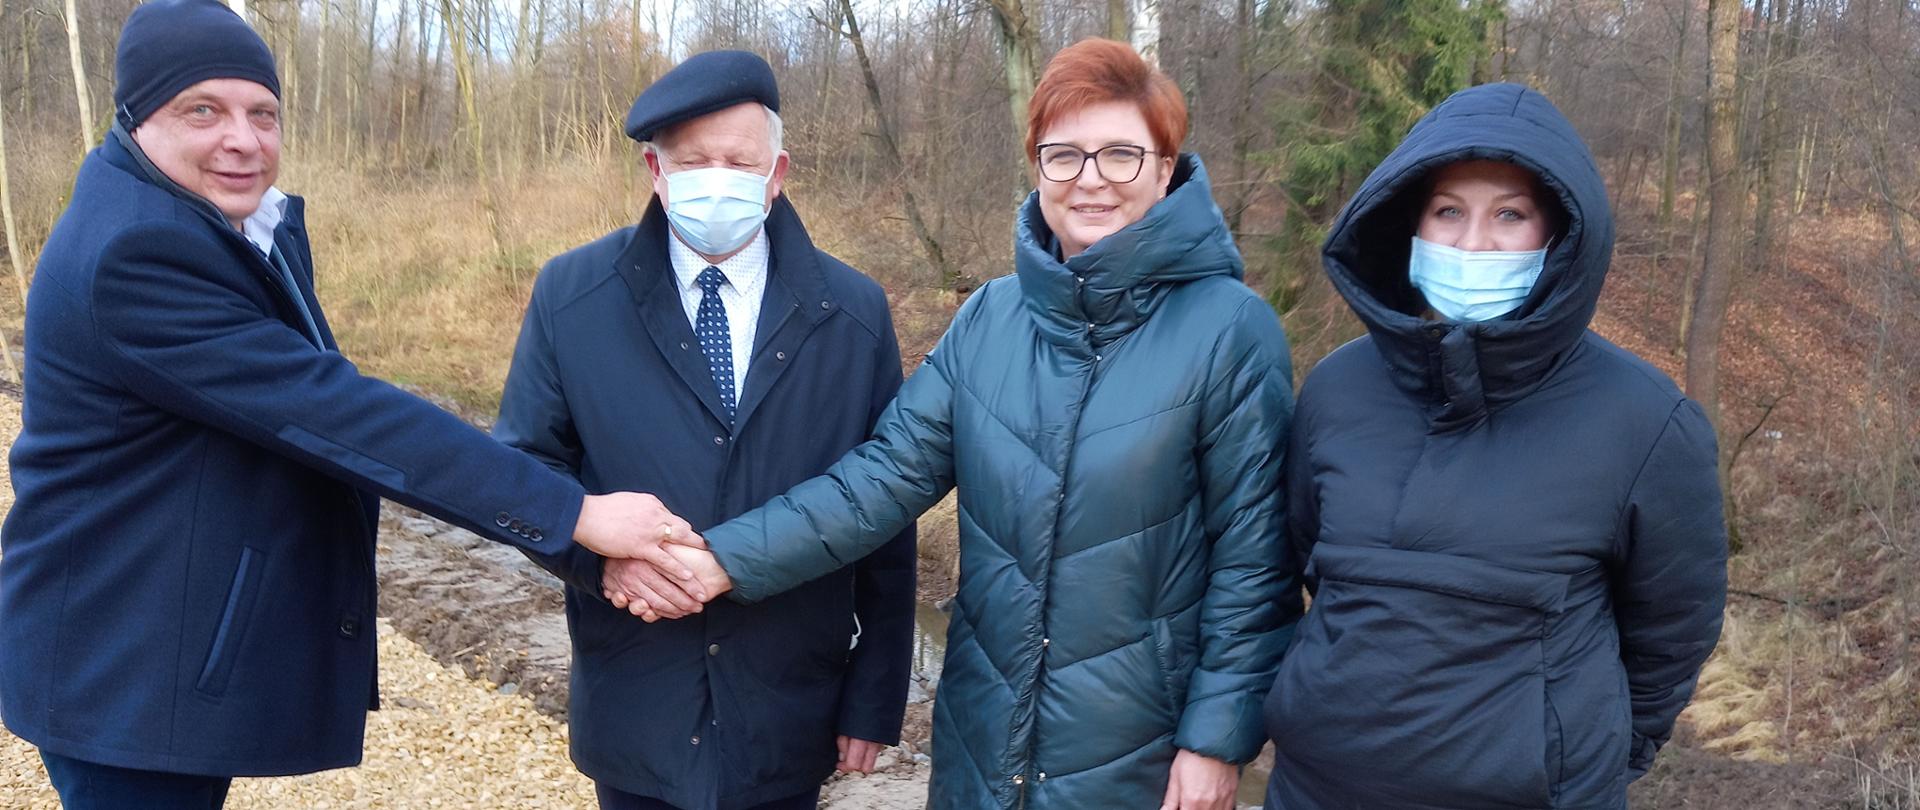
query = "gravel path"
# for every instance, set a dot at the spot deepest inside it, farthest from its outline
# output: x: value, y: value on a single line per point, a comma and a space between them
x: 473, y: 657
x: 441, y: 740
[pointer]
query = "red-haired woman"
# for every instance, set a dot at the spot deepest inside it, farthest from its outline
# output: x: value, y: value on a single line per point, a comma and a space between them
x: 1113, y: 414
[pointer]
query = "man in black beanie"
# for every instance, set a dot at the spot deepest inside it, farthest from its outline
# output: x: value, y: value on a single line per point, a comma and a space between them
x: 187, y: 574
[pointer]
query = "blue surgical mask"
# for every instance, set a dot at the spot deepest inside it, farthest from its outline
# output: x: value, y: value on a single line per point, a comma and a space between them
x: 716, y: 210
x: 1473, y: 285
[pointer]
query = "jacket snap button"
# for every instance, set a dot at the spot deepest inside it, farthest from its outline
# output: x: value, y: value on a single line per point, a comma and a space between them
x: 825, y: 305
x: 502, y: 520
x: 1045, y: 642
x: 713, y: 649
x: 779, y: 355
x: 1019, y: 780
x: 683, y: 344
x: 719, y: 440
x: 696, y: 740
x: 1041, y: 777
x: 349, y: 628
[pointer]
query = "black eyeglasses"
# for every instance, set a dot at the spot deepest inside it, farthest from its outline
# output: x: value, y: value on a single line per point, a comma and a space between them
x: 1063, y: 163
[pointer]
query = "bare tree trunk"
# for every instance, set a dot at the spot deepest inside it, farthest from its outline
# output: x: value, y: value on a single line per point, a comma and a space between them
x: 1803, y: 164
x: 13, y: 242
x: 1245, y: 42
x: 398, y: 135
x: 1120, y: 20
x: 80, y: 94
x: 1776, y: 55
x: 1020, y: 46
x: 464, y: 69
x: 14, y: 248
x: 322, y: 77
x: 1726, y: 196
x: 1670, y: 162
x: 891, y: 147
x: 1146, y: 30
x: 365, y: 131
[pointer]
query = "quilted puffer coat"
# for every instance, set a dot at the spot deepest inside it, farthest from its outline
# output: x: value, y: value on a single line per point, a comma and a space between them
x: 1512, y: 527
x: 1115, y: 425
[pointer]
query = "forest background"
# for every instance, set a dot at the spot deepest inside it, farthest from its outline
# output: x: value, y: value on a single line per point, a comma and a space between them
x: 1763, y: 159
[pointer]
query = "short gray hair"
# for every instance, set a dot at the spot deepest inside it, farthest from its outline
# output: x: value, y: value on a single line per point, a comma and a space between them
x: 776, y: 133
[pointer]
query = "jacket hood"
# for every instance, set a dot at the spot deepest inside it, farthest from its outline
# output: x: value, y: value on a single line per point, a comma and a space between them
x: 1468, y: 368
x: 1118, y: 281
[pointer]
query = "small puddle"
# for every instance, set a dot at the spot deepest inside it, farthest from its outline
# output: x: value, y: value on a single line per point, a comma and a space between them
x: 930, y: 649
x: 929, y: 640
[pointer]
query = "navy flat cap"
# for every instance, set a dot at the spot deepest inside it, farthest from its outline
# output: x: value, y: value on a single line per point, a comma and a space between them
x: 704, y: 83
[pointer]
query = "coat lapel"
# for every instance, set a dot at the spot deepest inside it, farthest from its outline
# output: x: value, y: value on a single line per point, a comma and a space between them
x: 795, y: 301
x: 649, y: 276
x: 291, y: 240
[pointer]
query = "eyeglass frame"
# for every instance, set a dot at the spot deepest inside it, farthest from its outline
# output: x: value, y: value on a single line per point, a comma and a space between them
x: 1091, y: 156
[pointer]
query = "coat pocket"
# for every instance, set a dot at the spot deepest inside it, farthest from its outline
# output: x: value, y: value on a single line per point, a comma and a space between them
x: 233, y: 623
x: 1420, y: 676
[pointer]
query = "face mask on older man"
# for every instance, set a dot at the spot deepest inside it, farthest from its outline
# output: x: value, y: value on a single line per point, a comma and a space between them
x: 716, y: 210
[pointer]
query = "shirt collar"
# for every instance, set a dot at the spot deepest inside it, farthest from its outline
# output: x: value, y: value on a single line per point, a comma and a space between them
x: 259, y: 228
x: 741, y: 269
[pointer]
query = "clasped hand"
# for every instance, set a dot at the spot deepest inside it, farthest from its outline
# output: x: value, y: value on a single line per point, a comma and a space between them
x: 656, y: 566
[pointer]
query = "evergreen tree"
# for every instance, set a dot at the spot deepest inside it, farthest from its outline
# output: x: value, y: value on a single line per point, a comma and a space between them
x: 1385, y: 63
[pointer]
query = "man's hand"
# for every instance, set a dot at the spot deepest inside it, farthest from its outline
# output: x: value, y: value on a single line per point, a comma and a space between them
x: 634, y: 525
x: 637, y: 587
x: 856, y: 755
x: 1200, y: 783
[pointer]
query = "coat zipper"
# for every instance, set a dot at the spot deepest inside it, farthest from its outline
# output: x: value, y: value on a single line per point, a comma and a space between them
x: 1044, y: 581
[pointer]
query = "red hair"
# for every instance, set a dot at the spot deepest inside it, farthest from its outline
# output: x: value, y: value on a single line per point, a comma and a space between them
x: 1097, y: 71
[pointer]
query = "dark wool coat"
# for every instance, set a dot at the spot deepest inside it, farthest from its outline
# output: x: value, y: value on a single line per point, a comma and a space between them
x: 187, y: 580
x: 737, y: 705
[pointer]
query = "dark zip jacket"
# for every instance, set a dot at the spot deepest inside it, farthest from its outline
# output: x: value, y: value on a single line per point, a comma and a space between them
x: 1512, y: 528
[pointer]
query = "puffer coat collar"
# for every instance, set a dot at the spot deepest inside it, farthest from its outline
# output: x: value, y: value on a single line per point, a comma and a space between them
x: 1098, y: 296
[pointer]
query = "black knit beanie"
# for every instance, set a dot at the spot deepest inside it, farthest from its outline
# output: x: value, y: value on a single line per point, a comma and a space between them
x: 170, y: 45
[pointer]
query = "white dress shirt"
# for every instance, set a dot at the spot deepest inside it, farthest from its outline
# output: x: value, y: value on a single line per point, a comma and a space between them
x: 746, y: 285
x: 259, y: 227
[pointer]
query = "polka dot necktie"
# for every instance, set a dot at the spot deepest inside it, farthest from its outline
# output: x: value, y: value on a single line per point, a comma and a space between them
x: 715, y: 339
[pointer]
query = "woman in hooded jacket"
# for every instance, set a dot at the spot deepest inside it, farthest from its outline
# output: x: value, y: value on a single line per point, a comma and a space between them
x: 1113, y: 415
x: 1511, y: 528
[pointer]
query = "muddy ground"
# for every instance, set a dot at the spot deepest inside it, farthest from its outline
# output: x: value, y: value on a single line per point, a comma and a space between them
x: 487, y: 610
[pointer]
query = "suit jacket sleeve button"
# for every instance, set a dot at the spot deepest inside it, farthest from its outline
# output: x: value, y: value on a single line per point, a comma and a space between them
x: 502, y: 520
x: 349, y: 628
x: 535, y: 535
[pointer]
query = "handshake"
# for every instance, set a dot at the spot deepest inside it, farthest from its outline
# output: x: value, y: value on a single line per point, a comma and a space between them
x: 656, y: 567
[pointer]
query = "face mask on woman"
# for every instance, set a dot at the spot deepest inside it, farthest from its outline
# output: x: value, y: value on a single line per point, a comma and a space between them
x: 716, y: 210
x: 1473, y: 285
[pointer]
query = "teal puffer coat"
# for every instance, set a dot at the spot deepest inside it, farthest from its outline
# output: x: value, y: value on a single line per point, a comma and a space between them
x: 1115, y: 424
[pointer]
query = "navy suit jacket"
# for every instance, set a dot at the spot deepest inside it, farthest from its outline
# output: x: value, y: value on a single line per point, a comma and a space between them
x: 737, y: 705
x: 186, y: 577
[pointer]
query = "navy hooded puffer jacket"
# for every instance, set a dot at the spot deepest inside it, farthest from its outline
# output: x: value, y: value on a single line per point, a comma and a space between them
x: 1512, y: 528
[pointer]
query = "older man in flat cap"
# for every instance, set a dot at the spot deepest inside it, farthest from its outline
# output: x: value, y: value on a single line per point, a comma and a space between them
x: 187, y: 579
x: 712, y: 356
